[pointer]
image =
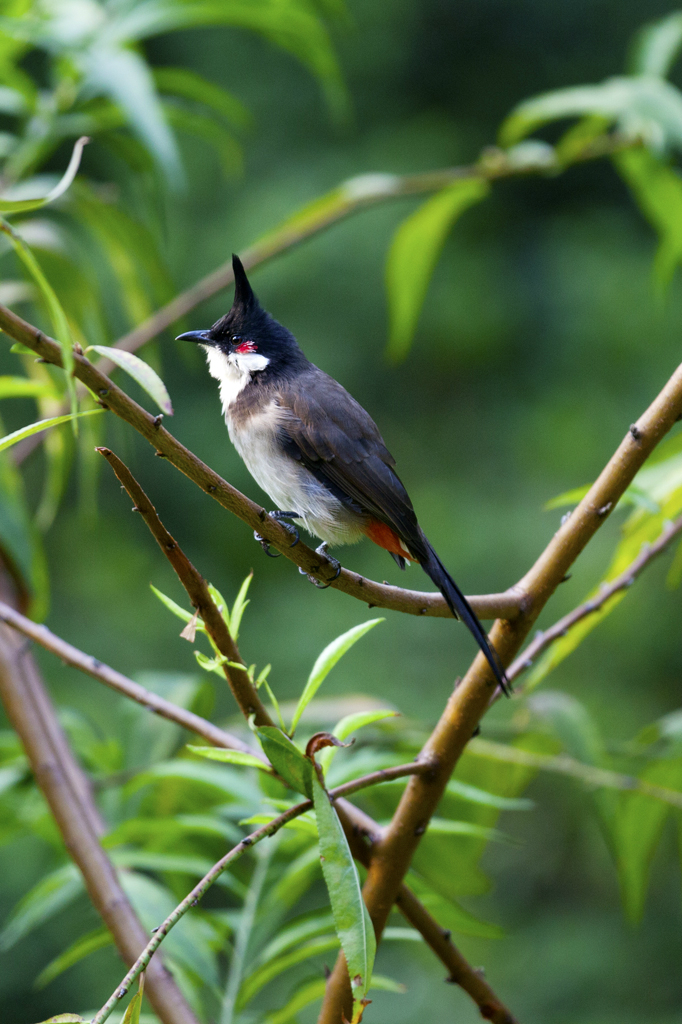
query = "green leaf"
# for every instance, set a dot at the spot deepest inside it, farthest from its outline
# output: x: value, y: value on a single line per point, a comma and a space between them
x: 295, y: 933
x: 300, y: 824
x: 230, y: 756
x: 443, y: 826
x: 234, y: 618
x: 303, y: 997
x: 474, y: 795
x: 287, y: 760
x: 25, y: 387
x: 20, y: 543
x: 139, y: 371
x: 176, y: 609
x: 353, y: 925
x: 448, y: 911
x: 98, y: 939
x: 348, y: 725
x: 380, y: 983
x: 657, y: 189
x: 52, y: 893
x: 191, y: 86
x: 23, y: 205
x: 132, y: 1014
x: 65, y: 1018
x: 273, y: 968
x: 572, y: 725
x: 657, y: 46
x: 35, y: 428
x: 636, y: 829
x: 325, y: 663
x: 60, y: 323
x: 413, y: 255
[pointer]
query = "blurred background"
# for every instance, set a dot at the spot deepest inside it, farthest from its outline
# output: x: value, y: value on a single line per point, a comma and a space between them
x: 541, y: 340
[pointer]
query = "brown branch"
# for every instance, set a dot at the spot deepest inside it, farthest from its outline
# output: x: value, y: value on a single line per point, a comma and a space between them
x: 30, y: 711
x: 117, y: 681
x: 560, y: 628
x: 460, y: 971
x: 472, y: 696
x: 112, y: 397
x: 243, y: 690
x: 351, y: 196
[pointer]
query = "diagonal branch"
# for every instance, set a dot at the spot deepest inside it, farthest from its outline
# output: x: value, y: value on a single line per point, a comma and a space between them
x: 472, y: 697
x: 112, y: 397
x: 31, y: 713
x: 244, y: 691
x: 543, y: 640
x: 71, y: 655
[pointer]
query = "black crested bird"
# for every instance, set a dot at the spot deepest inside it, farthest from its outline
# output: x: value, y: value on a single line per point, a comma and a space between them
x: 314, y: 449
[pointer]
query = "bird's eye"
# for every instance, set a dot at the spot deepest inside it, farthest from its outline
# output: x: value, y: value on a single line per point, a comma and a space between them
x: 245, y: 346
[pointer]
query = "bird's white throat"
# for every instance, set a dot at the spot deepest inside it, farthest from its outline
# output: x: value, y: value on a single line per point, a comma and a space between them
x: 233, y: 372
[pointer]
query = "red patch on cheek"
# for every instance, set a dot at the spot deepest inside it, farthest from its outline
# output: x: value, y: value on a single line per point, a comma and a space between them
x: 246, y: 346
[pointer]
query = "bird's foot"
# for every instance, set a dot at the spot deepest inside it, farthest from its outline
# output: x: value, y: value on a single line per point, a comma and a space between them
x: 334, y: 562
x: 279, y: 517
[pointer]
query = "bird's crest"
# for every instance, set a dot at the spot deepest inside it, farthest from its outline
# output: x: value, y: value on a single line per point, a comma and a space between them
x: 244, y: 299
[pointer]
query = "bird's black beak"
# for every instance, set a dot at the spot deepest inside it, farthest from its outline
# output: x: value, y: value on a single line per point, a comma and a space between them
x: 199, y: 336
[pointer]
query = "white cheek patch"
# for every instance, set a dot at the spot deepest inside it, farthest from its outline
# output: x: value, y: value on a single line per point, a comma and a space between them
x: 233, y: 372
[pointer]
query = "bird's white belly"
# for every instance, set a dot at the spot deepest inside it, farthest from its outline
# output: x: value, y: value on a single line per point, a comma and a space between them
x: 291, y: 486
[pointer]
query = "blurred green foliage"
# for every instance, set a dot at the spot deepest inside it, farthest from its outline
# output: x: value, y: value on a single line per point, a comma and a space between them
x: 527, y: 348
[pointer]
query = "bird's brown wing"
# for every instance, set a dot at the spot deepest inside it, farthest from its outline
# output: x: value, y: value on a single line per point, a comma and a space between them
x: 323, y: 427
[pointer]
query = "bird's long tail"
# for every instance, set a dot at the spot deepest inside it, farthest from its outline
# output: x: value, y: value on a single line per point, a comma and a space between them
x: 461, y: 609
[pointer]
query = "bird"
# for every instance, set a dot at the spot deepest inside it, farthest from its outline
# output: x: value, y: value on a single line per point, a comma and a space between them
x: 314, y: 450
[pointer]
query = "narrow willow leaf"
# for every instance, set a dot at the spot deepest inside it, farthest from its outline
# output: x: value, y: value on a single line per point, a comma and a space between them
x: 381, y: 983
x: 295, y: 933
x: 65, y: 1018
x: 57, y: 315
x: 304, y: 996
x: 191, y: 86
x: 397, y: 934
x: 24, y: 387
x: 139, y: 371
x: 239, y: 607
x: 325, y: 663
x: 52, y: 893
x: 23, y: 205
x: 413, y: 255
x: 132, y: 1014
x: 474, y: 795
x: 35, y: 428
x: 657, y: 189
x: 287, y: 760
x: 443, y: 826
x: 213, y: 664
x: 449, y: 913
x: 572, y: 724
x: 300, y: 824
x: 230, y: 756
x: 176, y: 609
x: 353, y: 925
x: 98, y: 939
x: 636, y: 830
x: 657, y: 46
x: 262, y: 975
x: 350, y: 724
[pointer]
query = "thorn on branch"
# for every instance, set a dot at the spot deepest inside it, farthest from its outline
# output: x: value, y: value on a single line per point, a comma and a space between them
x: 103, y: 392
x: 605, y: 509
x: 566, y: 578
x: 160, y: 455
x: 636, y: 433
x: 157, y: 420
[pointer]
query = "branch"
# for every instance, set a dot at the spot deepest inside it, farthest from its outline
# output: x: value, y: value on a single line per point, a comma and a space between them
x: 112, y: 397
x: 202, y: 887
x: 29, y: 710
x: 562, y: 764
x: 117, y: 681
x: 461, y: 973
x: 543, y: 640
x: 473, y: 695
x: 243, y: 690
x: 351, y: 196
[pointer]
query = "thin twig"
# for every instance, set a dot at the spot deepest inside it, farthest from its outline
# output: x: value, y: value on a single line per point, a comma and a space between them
x: 117, y: 681
x: 374, y: 594
x: 560, y: 628
x: 472, y: 696
x: 31, y: 713
x: 243, y: 689
x: 202, y: 887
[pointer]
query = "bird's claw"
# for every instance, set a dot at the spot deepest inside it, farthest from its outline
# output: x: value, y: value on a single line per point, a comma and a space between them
x: 334, y: 562
x: 279, y: 517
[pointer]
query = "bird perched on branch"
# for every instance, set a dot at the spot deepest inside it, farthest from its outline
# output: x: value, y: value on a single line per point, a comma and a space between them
x: 314, y: 449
